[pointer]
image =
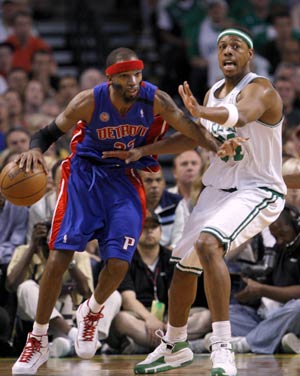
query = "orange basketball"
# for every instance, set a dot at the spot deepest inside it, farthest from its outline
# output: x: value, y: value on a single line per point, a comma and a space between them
x: 20, y: 187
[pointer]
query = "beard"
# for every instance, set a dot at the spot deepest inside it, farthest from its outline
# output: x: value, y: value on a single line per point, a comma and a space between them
x: 130, y: 98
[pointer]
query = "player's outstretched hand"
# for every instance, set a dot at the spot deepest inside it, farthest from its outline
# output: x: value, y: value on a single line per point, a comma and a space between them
x: 189, y: 100
x: 30, y: 160
x: 126, y: 155
x: 227, y: 149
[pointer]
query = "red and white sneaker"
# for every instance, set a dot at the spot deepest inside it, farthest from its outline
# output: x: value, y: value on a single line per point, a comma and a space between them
x: 35, y: 353
x: 86, y: 343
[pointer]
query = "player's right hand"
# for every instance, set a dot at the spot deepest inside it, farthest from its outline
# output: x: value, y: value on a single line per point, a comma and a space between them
x: 30, y: 160
x: 189, y: 100
x: 126, y: 155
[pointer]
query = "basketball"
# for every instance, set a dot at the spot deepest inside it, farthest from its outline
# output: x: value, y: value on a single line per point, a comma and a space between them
x: 20, y: 187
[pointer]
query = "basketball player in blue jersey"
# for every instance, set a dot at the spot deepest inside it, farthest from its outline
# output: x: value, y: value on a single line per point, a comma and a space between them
x: 99, y: 198
x: 243, y: 194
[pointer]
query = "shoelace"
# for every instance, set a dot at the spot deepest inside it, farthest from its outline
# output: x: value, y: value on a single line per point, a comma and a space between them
x: 160, y: 334
x: 222, y: 355
x: 90, y: 325
x: 32, y: 345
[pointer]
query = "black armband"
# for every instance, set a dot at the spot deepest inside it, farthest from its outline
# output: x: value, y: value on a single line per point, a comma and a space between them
x: 45, y: 137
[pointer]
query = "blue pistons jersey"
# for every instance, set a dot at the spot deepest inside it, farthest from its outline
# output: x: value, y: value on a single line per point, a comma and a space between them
x: 109, y: 130
x: 104, y: 199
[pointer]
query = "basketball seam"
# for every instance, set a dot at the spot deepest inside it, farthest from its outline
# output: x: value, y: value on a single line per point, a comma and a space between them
x: 20, y: 181
x: 24, y: 197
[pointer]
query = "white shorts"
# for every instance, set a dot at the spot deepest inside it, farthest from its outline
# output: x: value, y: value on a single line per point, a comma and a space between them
x: 233, y: 218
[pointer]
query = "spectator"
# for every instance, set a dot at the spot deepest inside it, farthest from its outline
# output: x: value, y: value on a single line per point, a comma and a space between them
x: 6, y: 349
x: 262, y: 330
x: 9, y: 8
x: 291, y: 143
x: 291, y: 51
x: 256, y: 18
x: 13, y: 228
x: 285, y: 70
x: 295, y: 13
x: 91, y: 77
x: 50, y: 108
x: 178, y: 23
x: 43, y: 209
x: 186, y: 168
x: 17, y: 140
x: 24, y: 42
x: 192, y: 187
x: 160, y: 202
x: 291, y: 173
x: 67, y: 88
x: 274, y: 47
x: 292, y: 167
x: 34, y: 97
x: 296, y: 82
x: 215, y: 21
x: 23, y: 276
x: 4, y: 124
x: 43, y: 69
x: 37, y: 121
x: 287, y: 92
x: 17, y: 80
x: 6, y: 56
x: 15, y: 109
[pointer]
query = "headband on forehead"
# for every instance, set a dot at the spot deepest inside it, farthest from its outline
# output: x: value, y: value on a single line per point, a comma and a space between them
x: 239, y: 34
x: 124, y: 66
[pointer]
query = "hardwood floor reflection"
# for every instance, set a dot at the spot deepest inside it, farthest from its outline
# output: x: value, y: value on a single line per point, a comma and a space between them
x: 116, y: 365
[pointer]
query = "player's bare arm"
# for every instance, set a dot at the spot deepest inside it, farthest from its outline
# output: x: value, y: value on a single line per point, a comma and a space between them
x: 258, y: 101
x: 175, y: 144
x: 166, y: 107
x: 80, y: 108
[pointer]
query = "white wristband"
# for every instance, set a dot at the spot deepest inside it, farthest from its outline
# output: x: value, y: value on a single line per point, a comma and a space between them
x: 233, y: 115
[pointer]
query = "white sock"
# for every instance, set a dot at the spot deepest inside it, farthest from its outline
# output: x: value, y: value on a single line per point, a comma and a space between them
x: 176, y: 334
x: 222, y: 330
x: 73, y: 334
x: 94, y: 305
x: 40, y: 329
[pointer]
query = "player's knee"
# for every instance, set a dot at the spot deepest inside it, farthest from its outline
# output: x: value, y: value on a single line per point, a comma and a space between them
x: 207, y: 248
x: 57, y: 263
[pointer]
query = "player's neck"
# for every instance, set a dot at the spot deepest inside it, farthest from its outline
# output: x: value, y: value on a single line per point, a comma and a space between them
x: 121, y: 106
x: 231, y: 82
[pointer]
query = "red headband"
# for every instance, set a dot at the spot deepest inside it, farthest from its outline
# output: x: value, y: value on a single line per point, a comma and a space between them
x: 124, y: 66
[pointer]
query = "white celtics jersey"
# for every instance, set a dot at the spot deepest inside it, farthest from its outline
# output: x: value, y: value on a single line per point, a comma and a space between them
x: 258, y: 162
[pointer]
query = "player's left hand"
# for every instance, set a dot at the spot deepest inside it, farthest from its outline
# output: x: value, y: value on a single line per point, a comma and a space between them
x: 227, y: 149
x: 126, y: 155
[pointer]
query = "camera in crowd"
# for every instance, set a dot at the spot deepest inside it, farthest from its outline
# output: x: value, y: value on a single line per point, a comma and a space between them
x: 261, y: 271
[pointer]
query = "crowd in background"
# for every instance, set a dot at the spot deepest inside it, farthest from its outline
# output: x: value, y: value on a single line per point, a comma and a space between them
x: 33, y: 93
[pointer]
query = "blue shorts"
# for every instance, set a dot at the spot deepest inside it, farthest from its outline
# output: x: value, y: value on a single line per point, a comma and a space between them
x: 98, y: 202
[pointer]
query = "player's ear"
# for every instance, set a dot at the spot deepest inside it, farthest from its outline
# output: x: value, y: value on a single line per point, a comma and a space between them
x: 251, y: 53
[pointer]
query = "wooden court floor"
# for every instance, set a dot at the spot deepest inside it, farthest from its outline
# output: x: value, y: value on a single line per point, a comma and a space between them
x: 117, y: 365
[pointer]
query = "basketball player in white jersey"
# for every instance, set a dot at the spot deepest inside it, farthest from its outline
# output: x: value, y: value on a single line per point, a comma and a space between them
x: 243, y: 194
